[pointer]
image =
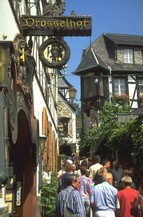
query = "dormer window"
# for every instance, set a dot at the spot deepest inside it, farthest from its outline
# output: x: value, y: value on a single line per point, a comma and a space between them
x: 128, y: 56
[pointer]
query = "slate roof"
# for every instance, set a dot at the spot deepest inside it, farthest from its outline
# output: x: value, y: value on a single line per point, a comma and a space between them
x: 90, y: 61
x: 63, y: 83
x: 125, y: 39
x: 101, y: 54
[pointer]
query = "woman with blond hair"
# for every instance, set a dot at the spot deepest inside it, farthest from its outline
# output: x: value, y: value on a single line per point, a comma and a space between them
x: 98, y: 178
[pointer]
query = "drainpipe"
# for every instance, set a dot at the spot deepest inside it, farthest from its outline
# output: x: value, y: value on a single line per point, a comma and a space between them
x: 110, y: 83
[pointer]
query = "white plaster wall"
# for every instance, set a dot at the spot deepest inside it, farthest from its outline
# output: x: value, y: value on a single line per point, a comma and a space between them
x: 39, y: 103
x: 131, y: 87
x: 8, y: 25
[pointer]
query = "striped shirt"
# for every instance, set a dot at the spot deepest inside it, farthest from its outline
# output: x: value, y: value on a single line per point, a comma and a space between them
x: 70, y: 200
x: 59, y: 204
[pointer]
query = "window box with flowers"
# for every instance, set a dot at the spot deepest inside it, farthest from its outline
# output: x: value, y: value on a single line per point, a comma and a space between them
x: 121, y: 97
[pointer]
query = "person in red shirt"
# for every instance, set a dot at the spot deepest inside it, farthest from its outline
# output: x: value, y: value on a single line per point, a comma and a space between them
x: 126, y: 198
x: 137, y: 206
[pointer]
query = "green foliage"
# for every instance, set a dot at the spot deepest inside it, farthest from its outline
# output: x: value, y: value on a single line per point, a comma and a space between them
x: 114, y: 131
x: 137, y: 136
x: 48, y: 196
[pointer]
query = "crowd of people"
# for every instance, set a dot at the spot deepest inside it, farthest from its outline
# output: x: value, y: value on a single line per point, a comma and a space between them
x: 95, y: 188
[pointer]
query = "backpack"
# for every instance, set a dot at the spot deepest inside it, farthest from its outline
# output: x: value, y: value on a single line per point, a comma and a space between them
x: 137, y: 207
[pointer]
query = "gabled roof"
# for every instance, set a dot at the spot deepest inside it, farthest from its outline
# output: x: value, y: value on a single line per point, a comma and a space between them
x: 101, y: 54
x: 63, y: 83
x: 90, y: 61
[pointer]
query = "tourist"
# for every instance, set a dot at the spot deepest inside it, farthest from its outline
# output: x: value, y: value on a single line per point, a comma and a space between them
x: 98, y: 178
x: 118, y: 171
x: 69, y: 201
x: 64, y: 178
x: 126, y: 197
x: 85, y: 189
x: 137, y: 205
x: 107, y: 163
x: 96, y: 166
x: 104, y: 197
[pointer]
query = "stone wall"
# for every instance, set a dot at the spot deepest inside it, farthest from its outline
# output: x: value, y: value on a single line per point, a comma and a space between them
x: 64, y: 111
x: 4, y: 211
x: 138, y: 59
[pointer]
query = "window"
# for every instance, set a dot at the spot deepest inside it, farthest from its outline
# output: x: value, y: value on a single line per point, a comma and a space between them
x: 89, y: 86
x: 140, y: 87
x: 119, y: 86
x: 93, y: 86
x: 63, y: 123
x: 128, y: 55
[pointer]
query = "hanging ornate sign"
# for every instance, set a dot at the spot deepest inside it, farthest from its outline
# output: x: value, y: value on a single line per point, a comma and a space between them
x: 56, y: 26
x: 57, y: 56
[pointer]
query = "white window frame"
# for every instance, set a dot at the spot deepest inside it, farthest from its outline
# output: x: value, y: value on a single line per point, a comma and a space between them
x: 128, y: 56
x: 121, y: 86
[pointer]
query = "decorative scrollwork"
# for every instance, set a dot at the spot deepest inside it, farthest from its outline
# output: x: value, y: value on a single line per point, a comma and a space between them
x: 19, y: 46
x: 57, y: 46
x: 56, y: 9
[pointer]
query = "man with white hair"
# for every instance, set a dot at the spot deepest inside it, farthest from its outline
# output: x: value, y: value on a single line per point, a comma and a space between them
x: 104, y: 197
x: 69, y: 201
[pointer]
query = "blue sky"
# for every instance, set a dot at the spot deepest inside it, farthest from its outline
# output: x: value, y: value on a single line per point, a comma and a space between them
x: 112, y: 16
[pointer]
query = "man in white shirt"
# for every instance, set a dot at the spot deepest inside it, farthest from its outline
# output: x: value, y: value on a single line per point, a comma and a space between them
x: 96, y: 166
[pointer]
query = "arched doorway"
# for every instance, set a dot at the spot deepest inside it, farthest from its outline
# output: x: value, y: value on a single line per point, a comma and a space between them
x: 21, y: 157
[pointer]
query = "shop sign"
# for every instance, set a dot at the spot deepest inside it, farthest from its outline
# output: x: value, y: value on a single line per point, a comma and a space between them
x: 56, y: 26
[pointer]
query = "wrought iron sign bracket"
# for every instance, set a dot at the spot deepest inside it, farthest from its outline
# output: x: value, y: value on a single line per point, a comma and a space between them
x: 57, y: 26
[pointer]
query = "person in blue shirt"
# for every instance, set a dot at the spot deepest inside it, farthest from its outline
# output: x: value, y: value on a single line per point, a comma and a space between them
x: 104, y: 197
x: 69, y: 201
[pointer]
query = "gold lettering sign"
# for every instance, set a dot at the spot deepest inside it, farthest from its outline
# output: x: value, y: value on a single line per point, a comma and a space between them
x: 61, y: 26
